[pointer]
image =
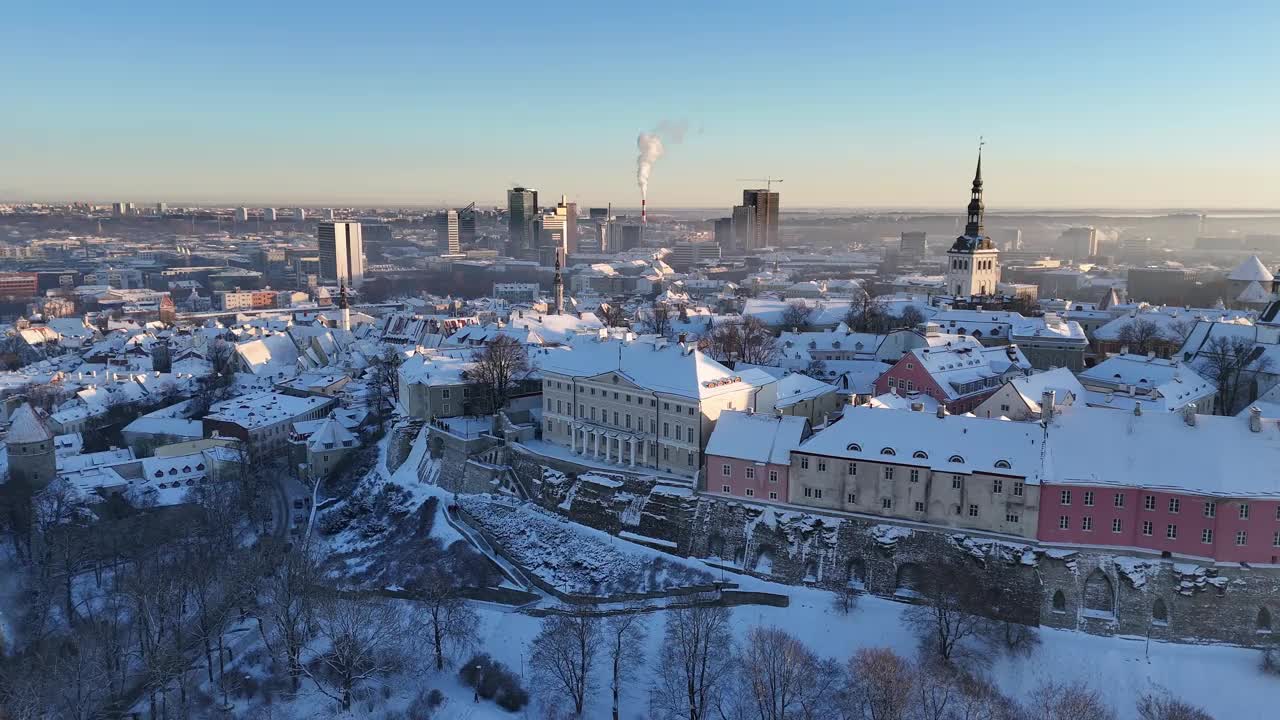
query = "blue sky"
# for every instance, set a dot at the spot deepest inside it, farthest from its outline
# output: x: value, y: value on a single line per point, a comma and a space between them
x: 862, y: 105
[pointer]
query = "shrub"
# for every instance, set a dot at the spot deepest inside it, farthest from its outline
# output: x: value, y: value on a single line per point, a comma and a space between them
x: 494, y: 681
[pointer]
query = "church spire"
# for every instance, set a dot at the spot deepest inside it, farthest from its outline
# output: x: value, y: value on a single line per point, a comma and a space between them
x: 973, y: 226
x: 559, y: 286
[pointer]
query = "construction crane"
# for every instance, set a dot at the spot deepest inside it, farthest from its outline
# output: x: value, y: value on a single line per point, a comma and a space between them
x: 768, y: 181
x: 467, y: 209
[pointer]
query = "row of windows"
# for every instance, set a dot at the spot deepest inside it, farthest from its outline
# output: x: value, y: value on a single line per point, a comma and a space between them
x: 627, y: 397
x: 727, y: 471
x: 749, y: 492
x: 1149, y: 503
x: 1170, y: 533
x: 997, y: 485
x: 887, y: 504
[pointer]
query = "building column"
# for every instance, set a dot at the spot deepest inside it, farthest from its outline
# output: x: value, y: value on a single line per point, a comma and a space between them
x: 573, y: 439
x: 644, y: 452
x: 595, y: 444
x: 632, y: 442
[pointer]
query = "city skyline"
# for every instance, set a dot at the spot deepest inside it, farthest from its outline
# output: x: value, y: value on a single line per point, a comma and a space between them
x: 1096, y: 107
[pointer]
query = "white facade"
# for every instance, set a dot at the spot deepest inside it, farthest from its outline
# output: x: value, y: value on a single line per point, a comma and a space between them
x: 341, y: 253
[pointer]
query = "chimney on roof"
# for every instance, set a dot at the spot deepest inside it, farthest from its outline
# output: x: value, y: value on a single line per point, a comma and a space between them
x: 1151, y: 355
x: 1255, y: 419
x: 682, y: 338
x: 917, y: 407
x: 942, y: 411
x: 1137, y: 409
x: 1189, y: 414
x: 1124, y: 349
x: 1047, y: 399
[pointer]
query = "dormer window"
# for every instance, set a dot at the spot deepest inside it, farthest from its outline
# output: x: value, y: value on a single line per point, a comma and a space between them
x: 920, y: 455
x: 855, y: 447
x: 955, y: 459
x: 887, y: 451
x: 1003, y: 464
x: 159, y: 473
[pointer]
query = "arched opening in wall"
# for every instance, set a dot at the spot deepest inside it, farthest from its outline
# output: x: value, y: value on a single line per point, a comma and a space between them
x: 855, y: 574
x: 1264, y: 620
x: 1099, y: 596
x: 715, y: 546
x: 1059, y: 602
x: 812, y: 570
x: 908, y: 580
x: 437, y: 448
x: 763, y: 561
x: 1159, y: 612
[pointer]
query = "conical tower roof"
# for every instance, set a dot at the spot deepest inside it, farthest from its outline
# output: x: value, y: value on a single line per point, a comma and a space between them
x: 1251, y: 270
x: 27, y: 426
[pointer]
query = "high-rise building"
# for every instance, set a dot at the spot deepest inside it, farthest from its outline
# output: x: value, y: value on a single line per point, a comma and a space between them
x: 118, y: 209
x: 522, y: 208
x: 632, y: 234
x: 447, y: 230
x: 764, y: 209
x: 570, y: 211
x: 913, y: 245
x: 269, y: 214
x: 744, y: 223
x: 724, y: 233
x: 242, y: 215
x: 467, y: 225
x: 558, y: 229
x: 375, y: 233
x: 598, y: 213
x: 1079, y: 243
x: 973, y: 262
x: 327, y: 214
x: 341, y: 253
x: 299, y: 215
x: 686, y: 254
x: 161, y: 208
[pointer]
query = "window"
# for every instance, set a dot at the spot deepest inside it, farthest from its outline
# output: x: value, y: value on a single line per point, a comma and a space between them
x: 1004, y: 408
x: 888, y: 473
x: 920, y: 455
x: 1003, y: 464
x: 773, y: 476
x: 886, y: 503
x: 956, y: 459
x: 666, y: 452
x: 854, y: 447
x: 955, y: 482
x: 1275, y: 541
x: 751, y: 473
x: 724, y: 489
x: 1244, y: 511
x: 919, y: 506
x: 1171, y: 532
x: 1242, y: 537
x: 973, y: 511
x: 1011, y: 518
x: 853, y: 468
x: 445, y: 393
x: 1117, y: 525
x: 808, y: 492
x: 773, y: 495
x: 1210, y: 509
x: 817, y: 493
x: 1088, y: 498
x: 726, y: 470
x: 1017, y: 488
x: 888, y: 451
x: 915, y: 476
x: 997, y: 486
x: 1147, y: 529
x: 1086, y: 523
x: 1206, y: 536
x: 804, y: 462
x: 822, y: 466
x: 689, y: 435
x: 852, y: 498
x: 1174, y: 505
x: 1149, y: 502
x: 751, y: 492
x: 1064, y: 497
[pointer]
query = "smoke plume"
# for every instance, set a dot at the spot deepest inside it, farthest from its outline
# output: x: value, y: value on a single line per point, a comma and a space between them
x: 651, y: 148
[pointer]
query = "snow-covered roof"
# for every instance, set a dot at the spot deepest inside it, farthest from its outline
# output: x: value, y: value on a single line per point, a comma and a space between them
x: 798, y: 387
x: 1173, y: 380
x: 1060, y: 380
x: 1254, y: 294
x: 264, y: 408
x: 894, y: 401
x: 433, y: 370
x: 655, y: 365
x: 27, y: 425
x: 330, y: 436
x: 1251, y: 270
x: 554, y: 328
x: 757, y: 437
x: 954, y: 443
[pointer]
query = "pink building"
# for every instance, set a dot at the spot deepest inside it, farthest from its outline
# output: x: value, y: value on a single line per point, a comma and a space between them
x: 749, y: 454
x: 1175, y: 483
x: 960, y: 374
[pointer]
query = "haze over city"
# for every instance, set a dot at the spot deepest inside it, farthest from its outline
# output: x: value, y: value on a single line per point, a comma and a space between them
x: 1092, y: 105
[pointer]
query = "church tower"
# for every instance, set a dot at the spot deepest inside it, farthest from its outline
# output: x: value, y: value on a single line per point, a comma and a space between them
x: 31, y: 457
x: 559, y: 287
x: 973, y: 262
x: 344, y: 307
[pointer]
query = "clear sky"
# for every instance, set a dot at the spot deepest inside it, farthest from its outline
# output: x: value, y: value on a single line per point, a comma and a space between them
x: 1083, y: 104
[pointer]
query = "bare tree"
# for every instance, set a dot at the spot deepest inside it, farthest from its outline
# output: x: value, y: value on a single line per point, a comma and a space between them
x: 1054, y: 700
x: 658, y: 319
x: 749, y: 341
x: 868, y: 314
x: 780, y: 678
x: 288, y: 608
x: 498, y: 368
x: 796, y: 316
x: 222, y: 356
x: 612, y: 315
x: 881, y: 685
x: 448, y: 621
x: 696, y: 661
x: 361, y: 642
x: 1231, y: 364
x: 952, y: 600
x: 1141, y: 335
x: 911, y: 317
x: 564, y: 654
x: 384, y: 381
x: 1163, y: 706
x: 624, y: 635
